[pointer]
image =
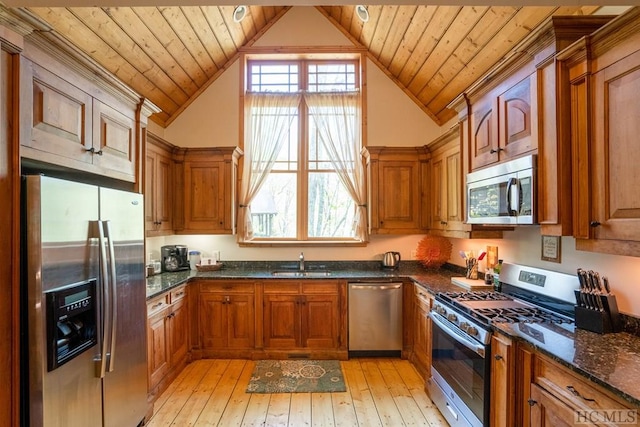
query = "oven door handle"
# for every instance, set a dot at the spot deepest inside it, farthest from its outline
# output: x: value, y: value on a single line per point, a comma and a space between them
x: 477, y: 348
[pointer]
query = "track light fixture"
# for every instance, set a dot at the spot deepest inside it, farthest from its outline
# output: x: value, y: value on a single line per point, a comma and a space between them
x: 239, y: 13
x: 362, y: 12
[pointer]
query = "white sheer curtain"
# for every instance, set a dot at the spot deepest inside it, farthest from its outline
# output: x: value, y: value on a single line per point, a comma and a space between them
x: 268, y: 117
x: 337, y: 116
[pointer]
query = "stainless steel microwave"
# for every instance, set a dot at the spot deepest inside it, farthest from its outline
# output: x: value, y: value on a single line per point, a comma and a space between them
x: 503, y: 194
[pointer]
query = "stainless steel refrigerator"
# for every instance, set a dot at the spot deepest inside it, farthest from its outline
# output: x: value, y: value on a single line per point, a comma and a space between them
x: 84, y: 305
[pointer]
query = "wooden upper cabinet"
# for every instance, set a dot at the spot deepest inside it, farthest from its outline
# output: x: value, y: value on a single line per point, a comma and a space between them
x: 114, y: 139
x: 397, y: 187
x: 605, y: 80
x: 446, y: 183
x: 70, y: 120
x: 159, y: 187
x: 209, y: 179
x: 522, y: 107
x: 502, y: 121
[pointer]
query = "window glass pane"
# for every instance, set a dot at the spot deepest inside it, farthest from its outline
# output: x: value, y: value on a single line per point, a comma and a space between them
x: 273, y: 77
x: 327, y: 77
x: 331, y: 209
x: 273, y: 211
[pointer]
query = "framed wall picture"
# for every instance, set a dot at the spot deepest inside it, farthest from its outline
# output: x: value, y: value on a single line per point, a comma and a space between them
x: 551, y: 248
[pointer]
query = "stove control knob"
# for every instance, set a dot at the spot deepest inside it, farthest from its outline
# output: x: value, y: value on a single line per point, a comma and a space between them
x: 464, y: 326
x: 440, y: 310
x: 452, y: 317
x: 472, y: 331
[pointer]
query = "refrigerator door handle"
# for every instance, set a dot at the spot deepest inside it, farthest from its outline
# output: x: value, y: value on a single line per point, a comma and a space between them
x: 101, y: 359
x: 113, y: 303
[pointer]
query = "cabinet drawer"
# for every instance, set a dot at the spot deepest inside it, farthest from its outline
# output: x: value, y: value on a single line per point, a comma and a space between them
x: 227, y: 287
x: 289, y: 287
x: 157, y: 304
x: 422, y: 298
x: 575, y: 391
x: 320, y: 287
x: 178, y: 294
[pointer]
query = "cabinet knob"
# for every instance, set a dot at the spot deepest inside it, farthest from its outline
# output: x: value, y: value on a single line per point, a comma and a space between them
x: 594, y: 224
x: 532, y: 402
x: 498, y: 357
x: 494, y: 151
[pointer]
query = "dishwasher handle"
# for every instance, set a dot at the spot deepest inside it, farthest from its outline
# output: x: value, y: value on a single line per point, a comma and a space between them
x: 378, y: 287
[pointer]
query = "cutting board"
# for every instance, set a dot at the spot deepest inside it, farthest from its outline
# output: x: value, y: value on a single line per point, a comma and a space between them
x: 471, y: 284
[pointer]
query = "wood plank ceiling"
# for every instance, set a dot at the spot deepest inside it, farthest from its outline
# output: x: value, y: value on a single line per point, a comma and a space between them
x: 171, y: 54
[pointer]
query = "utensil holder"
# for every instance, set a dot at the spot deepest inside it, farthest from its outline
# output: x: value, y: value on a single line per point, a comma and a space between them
x: 472, y: 269
x: 601, y: 322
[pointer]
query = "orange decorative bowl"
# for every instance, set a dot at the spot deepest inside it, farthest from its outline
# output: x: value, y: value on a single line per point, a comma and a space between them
x: 433, y: 251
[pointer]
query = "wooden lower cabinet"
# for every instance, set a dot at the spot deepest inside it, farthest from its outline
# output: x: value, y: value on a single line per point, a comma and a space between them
x: 421, y: 356
x: 549, y: 411
x: 167, y: 338
x: 502, y: 381
x: 305, y: 319
x: 226, y: 318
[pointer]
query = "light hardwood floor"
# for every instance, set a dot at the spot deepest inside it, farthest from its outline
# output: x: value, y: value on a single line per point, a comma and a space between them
x: 380, y: 392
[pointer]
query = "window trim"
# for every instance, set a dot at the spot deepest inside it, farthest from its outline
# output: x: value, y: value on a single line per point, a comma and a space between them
x: 310, y: 54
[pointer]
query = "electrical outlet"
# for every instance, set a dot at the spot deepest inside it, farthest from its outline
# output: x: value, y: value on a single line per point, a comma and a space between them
x: 413, y: 254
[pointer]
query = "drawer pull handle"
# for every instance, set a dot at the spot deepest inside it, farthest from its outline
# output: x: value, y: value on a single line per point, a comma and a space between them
x: 577, y: 394
x: 159, y: 304
x: 179, y: 294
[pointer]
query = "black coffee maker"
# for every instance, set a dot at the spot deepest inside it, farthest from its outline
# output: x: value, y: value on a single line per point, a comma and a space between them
x: 174, y: 258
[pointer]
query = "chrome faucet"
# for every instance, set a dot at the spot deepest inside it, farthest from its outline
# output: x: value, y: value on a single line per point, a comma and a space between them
x: 301, y: 261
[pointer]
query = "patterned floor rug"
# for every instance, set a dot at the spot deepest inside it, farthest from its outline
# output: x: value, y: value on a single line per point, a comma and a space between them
x: 296, y: 376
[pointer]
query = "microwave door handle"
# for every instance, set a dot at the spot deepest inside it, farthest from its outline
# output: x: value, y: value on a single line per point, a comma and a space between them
x: 510, y: 184
x: 100, y: 361
x: 113, y: 318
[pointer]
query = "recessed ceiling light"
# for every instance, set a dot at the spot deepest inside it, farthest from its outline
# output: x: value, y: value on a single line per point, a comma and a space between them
x: 362, y: 12
x: 239, y: 13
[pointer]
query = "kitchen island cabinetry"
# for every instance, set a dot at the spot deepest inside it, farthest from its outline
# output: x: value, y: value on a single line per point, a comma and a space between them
x: 226, y: 319
x: 208, y: 177
x: 167, y: 338
x: 305, y: 319
x: 70, y: 121
x: 397, y: 189
x: 158, y: 184
x: 605, y: 79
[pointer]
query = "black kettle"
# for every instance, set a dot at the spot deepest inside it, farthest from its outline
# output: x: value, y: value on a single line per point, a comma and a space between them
x: 391, y: 260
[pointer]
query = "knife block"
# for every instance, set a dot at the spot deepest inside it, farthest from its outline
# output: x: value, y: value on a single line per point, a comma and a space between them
x: 601, y: 322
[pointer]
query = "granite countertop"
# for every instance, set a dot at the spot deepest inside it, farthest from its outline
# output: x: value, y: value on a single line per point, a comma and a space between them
x: 611, y: 360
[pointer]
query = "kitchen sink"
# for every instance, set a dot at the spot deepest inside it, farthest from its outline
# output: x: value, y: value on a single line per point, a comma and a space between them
x: 301, y: 273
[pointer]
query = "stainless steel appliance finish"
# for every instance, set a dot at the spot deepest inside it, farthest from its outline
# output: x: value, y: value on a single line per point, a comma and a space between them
x: 375, y: 317
x: 503, y: 194
x: 540, y: 302
x: 77, y: 233
x: 391, y: 260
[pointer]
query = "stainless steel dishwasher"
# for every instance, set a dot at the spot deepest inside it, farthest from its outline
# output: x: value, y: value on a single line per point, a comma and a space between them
x: 375, y: 318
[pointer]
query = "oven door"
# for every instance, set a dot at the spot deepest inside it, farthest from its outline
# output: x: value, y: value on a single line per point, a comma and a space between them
x: 460, y: 375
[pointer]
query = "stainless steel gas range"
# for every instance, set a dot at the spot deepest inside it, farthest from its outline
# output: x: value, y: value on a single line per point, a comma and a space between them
x: 462, y: 328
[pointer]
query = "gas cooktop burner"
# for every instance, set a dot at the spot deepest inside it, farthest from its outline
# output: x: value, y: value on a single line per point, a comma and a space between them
x: 519, y: 314
x: 496, y: 307
x: 476, y: 296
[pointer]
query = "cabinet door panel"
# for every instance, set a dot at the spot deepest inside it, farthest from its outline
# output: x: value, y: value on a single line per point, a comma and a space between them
x: 114, y: 137
x: 61, y: 119
x: 150, y: 182
x: 516, y: 121
x: 484, y: 133
x: 163, y: 194
x: 241, y: 320
x: 281, y: 321
x: 204, y: 196
x: 320, y: 316
x: 179, y: 330
x: 157, y: 347
x: 213, y: 322
x: 617, y: 153
x: 549, y: 411
x: 399, y: 207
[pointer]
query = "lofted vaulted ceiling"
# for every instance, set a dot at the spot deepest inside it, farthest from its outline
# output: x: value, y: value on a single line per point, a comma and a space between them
x: 171, y: 54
